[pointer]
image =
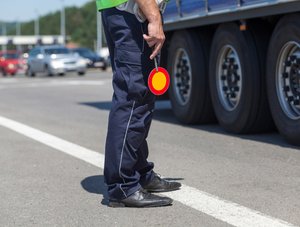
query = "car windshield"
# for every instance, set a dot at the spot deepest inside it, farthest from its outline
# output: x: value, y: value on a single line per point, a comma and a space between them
x: 85, y: 52
x: 51, y: 51
x: 10, y: 56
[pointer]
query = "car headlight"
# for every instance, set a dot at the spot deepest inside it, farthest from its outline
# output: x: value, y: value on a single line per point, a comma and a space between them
x: 87, y: 61
x: 82, y: 62
x: 11, y: 66
x: 56, y: 64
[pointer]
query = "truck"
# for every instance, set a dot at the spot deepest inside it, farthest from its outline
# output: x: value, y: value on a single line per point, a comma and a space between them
x: 236, y: 62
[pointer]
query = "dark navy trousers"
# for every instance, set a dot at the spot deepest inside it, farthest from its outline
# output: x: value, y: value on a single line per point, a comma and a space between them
x: 126, y: 167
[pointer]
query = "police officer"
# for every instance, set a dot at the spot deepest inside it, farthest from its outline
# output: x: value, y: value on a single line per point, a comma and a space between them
x: 132, y: 45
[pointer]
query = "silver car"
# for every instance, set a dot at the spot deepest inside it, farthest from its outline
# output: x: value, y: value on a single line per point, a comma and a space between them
x: 54, y: 60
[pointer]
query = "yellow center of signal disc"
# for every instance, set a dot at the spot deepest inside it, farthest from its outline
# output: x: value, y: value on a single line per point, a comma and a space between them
x: 159, y: 81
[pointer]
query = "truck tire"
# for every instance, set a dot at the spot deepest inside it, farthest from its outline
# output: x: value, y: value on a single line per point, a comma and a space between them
x: 237, y: 81
x: 283, y: 77
x: 189, y: 91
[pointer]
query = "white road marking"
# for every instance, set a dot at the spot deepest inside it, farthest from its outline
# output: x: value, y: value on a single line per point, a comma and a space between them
x: 8, y: 80
x: 226, y: 211
x: 72, y: 149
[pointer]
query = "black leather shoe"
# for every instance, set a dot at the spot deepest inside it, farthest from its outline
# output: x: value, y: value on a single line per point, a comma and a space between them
x: 141, y: 198
x: 157, y: 184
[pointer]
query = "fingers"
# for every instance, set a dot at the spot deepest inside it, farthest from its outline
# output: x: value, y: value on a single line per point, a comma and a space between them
x: 154, y: 42
x: 147, y: 38
x: 156, y: 50
x: 151, y: 41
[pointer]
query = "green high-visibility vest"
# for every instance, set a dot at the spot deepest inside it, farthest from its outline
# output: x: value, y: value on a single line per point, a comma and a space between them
x: 104, y: 4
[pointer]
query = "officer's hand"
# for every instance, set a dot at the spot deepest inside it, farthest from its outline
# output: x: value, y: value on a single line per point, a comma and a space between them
x: 156, y: 36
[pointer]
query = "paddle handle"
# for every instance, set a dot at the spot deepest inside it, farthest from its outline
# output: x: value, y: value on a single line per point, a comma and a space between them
x: 155, y: 63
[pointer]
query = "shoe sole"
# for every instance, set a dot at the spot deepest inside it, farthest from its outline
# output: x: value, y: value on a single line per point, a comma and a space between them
x: 161, y: 190
x: 116, y: 204
x: 122, y: 205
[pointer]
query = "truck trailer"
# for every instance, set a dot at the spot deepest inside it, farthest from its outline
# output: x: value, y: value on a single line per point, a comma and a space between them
x: 236, y: 62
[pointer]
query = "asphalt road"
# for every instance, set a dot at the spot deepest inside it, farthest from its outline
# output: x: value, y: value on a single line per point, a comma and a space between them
x: 228, y: 179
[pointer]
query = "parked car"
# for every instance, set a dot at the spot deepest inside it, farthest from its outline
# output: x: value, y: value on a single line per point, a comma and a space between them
x: 93, y: 60
x: 9, y: 62
x: 54, y: 60
x: 104, y: 53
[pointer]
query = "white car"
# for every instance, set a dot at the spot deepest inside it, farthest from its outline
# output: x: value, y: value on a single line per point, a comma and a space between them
x: 54, y: 60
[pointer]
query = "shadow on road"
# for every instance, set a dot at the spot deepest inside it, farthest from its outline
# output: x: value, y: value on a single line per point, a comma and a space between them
x: 95, y: 184
x: 163, y: 113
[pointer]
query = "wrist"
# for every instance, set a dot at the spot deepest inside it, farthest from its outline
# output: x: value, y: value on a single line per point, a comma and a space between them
x: 154, y: 18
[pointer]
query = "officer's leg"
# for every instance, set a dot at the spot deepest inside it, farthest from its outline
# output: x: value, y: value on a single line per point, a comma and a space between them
x: 132, y: 104
x: 144, y: 167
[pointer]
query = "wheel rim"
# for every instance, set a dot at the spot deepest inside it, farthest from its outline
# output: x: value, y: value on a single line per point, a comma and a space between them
x: 182, y: 82
x: 288, y: 79
x: 229, y: 78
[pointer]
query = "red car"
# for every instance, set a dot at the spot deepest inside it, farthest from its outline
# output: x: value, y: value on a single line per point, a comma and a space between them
x: 9, y: 62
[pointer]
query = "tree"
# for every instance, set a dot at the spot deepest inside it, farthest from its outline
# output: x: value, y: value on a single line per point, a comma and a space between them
x: 80, y: 25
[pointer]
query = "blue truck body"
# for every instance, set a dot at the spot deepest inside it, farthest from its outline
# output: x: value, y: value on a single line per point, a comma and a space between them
x: 203, y: 7
x: 181, y: 10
